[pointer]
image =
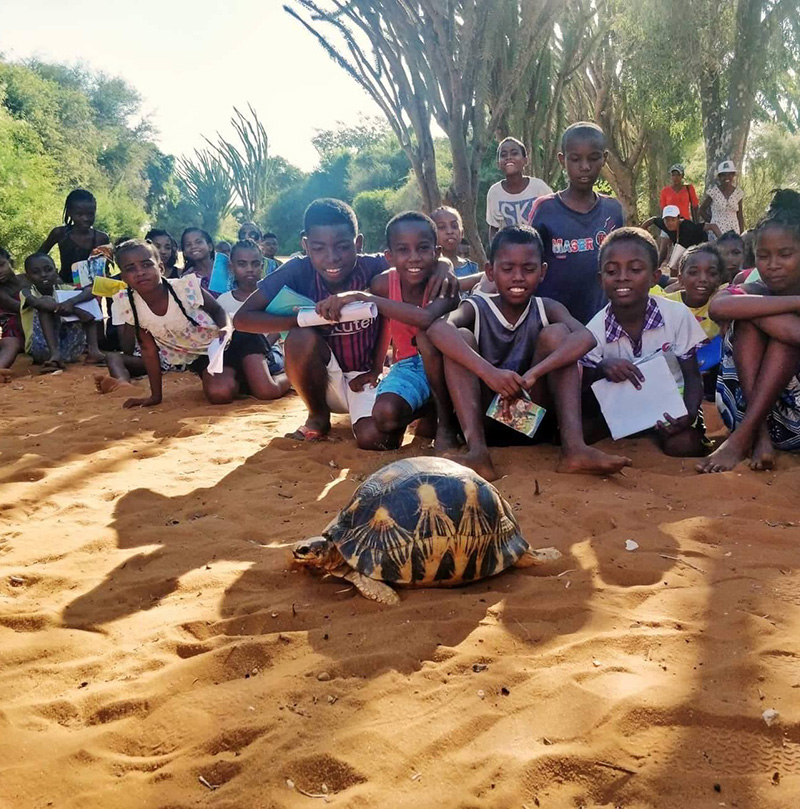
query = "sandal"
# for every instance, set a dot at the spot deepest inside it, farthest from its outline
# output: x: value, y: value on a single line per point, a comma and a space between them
x: 306, y: 433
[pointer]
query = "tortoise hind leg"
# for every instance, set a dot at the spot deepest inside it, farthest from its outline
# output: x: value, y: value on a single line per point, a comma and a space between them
x: 371, y: 589
x: 540, y: 556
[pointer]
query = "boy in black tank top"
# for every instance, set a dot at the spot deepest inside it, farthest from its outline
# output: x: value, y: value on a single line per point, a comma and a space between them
x: 510, y: 342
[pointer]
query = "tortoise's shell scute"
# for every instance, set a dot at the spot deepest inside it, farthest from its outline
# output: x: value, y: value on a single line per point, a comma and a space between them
x: 427, y: 521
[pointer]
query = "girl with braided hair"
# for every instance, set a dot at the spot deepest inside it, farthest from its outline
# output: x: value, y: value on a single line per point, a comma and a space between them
x: 758, y: 389
x: 174, y: 322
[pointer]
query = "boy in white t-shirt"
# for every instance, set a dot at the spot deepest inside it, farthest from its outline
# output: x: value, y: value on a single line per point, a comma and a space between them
x: 635, y: 325
x: 509, y: 201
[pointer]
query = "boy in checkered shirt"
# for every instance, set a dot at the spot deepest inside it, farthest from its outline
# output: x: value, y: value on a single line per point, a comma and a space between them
x: 635, y: 326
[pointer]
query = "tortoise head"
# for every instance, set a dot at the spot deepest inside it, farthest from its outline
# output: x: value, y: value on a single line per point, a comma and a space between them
x: 316, y: 552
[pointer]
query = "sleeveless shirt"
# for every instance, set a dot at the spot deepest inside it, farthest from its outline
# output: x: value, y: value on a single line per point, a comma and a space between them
x: 402, y: 335
x: 500, y: 343
x: 71, y: 252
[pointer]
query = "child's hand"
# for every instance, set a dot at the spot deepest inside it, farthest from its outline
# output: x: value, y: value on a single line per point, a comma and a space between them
x: 443, y: 283
x: 331, y: 307
x: 150, y: 401
x: 104, y: 250
x: 358, y: 383
x: 673, y: 426
x: 509, y: 384
x: 618, y: 370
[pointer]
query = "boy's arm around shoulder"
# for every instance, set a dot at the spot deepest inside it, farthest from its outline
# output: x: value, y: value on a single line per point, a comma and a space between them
x: 408, y: 313
x: 578, y: 342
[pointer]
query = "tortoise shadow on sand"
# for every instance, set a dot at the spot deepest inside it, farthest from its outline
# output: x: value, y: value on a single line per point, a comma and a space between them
x: 236, y: 519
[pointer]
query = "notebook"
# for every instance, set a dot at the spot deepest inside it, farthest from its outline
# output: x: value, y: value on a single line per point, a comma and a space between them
x: 628, y: 411
x: 90, y: 306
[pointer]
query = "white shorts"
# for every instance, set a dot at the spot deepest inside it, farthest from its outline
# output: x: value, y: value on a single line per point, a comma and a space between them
x: 341, y: 399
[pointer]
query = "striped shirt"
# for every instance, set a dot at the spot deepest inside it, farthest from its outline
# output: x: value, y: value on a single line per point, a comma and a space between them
x: 353, y: 344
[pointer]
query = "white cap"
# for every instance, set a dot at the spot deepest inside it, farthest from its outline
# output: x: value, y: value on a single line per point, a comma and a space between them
x: 726, y: 166
x: 670, y: 210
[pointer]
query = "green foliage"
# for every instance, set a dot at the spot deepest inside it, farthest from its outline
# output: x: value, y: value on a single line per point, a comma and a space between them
x: 31, y: 202
x: 209, y: 187
x: 374, y: 209
x: 773, y: 161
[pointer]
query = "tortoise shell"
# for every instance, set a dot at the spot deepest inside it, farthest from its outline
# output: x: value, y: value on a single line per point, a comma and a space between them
x: 427, y: 521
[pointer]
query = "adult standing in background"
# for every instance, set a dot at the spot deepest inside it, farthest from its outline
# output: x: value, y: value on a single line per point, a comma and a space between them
x: 680, y: 194
x: 722, y: 204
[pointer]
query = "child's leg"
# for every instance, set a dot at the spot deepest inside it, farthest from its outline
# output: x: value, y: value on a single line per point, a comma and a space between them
x: 465, y: 391
x: 564, y: 387
x: 446, y: 427
x: 220, y: 388
x: 307, y: 354
x: 764, y: 367
x: 93, y: 353
x: 262, y: 384
x: 45, y: 343
x: 121, y: 367
x: 9, y: 348
x: 391, y: 414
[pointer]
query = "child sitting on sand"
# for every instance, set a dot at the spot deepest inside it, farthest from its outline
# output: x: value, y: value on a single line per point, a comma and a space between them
x: 334, y: 368
x: 11, y: 334
x: 49, y: 339
x: 400, y: 294
x: 635, y: 325
x: 174, y: 321
x: 246, y: 265
x: 758, y: 389
x: 700, y: 272
x: 512, y: 343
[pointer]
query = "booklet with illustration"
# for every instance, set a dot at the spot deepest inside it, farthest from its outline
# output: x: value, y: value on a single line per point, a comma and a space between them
x: 84, y: 272
x: 521, y: 414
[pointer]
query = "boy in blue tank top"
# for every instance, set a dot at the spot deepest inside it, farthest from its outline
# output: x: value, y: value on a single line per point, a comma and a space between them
x: 512, y: 343
x: 574, y: 222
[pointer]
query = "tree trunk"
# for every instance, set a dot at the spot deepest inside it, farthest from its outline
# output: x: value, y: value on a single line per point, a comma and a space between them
x: 465, y: 181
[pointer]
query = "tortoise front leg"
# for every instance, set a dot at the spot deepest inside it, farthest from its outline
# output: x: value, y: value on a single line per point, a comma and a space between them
x: 538, y: 556
x: 369, y: 588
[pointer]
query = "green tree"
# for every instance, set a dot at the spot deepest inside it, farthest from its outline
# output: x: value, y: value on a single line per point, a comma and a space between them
x: 209, y: 188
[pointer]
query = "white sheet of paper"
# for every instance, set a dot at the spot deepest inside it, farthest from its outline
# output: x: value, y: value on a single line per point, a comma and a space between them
x: 628, y: 411
x: 216, y: 355
x: 91, y: 306
x: 360, y: 310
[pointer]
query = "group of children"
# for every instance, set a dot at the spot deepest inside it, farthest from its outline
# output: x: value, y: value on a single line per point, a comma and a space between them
x: 568, y: 297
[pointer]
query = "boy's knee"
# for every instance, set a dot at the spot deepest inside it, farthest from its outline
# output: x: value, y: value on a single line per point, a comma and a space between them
x: 551, y: 337
x: 369, y: 437
x: 223, y: 392
x: 386, y: 416
x: 468, y: 337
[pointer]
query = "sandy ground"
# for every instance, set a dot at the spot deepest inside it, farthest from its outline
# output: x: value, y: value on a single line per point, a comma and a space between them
x: 152, y: 633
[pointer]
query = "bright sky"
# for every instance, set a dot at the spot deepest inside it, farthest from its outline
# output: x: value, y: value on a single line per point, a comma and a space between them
x: 192, y: 62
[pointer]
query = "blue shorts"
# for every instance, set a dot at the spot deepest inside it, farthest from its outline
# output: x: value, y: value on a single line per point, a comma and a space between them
x: 407, y: 380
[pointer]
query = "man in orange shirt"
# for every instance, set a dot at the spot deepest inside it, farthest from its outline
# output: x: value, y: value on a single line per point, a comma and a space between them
x: 684, y: 196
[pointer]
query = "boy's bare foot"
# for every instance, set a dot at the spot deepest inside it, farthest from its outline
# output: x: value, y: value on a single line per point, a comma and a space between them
x: 730, y: 453
x: 52, y: 365
x: 106, y: 384
x: 592, y: 461
x: 6, y: 375
x: 479, y: 461
x: 446, y: 440
x: 95, y: 358
x: 763, y: 456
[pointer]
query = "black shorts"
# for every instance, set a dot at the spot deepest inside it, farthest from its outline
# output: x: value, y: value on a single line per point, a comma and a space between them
x: 244, y: 344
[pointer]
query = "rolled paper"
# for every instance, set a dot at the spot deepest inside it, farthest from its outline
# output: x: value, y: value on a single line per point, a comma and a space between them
x: 360, y: 310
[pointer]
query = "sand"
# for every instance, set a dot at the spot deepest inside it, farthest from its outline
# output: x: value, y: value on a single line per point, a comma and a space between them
x: 152, y: 633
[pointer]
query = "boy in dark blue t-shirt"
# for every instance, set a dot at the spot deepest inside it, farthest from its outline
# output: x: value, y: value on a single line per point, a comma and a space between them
x: 574, y: 222
x: 334, y: 368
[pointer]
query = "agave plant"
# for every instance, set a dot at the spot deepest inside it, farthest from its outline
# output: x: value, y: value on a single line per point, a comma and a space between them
x: 209, y: 186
